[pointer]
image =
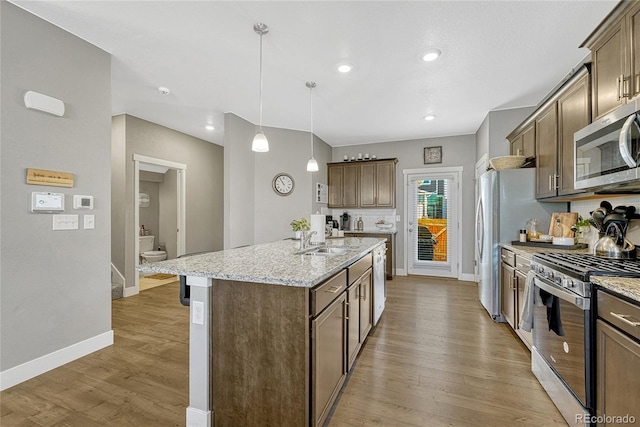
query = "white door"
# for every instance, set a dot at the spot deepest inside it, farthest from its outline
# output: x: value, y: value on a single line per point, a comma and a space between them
x: 433, y: 223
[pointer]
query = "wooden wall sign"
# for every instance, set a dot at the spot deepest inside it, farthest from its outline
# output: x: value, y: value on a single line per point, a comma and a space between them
x: 53, y: 178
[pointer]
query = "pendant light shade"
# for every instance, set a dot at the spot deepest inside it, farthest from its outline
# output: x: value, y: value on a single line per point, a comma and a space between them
x: 260, y: 142
x: 312, y: 164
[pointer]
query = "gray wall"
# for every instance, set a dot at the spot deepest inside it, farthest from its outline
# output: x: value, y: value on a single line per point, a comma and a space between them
x: 256, y: 214
x: 118, y: 199
x: 491, y: 137
x: 456, y: 151
x: 54, y: 285
x: 204, y: 186
x: 168, y: 214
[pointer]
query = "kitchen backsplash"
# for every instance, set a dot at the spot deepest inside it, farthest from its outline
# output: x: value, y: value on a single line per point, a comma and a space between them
x: 584, y: 208
x: 369, y: 216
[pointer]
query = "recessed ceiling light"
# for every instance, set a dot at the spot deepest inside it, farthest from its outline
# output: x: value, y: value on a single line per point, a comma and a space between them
x: 431, y: 55
x: 429, y: 117
x: 210, y: 127
x: 345, y: 68
x: 164, y: 90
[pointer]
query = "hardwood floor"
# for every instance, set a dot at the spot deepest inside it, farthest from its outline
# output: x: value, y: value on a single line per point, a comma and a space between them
x: 142, y: 380
x: 435, y: 359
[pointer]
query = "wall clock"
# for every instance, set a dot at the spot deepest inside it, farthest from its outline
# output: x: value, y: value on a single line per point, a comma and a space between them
x: 283, y: 184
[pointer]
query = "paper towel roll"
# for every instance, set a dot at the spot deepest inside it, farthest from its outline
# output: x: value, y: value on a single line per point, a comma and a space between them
x: 317, y: 225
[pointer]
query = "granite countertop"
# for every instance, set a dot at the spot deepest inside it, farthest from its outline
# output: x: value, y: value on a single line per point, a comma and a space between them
x: 270, y: 263
x: 528, y: 251
x: 627, y: 286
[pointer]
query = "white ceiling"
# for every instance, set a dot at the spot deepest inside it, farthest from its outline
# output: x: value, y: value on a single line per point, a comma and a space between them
x: 496, y: 55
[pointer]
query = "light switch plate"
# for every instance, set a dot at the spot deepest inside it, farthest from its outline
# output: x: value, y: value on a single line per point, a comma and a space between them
x: 65, y: 222
x: 89, y: 222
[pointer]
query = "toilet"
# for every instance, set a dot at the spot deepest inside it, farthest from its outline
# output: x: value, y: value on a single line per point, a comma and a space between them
x: 146, y: 250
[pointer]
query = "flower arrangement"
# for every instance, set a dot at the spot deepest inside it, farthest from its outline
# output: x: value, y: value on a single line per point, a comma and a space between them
x: 582, y: 223
x: 301, y: 224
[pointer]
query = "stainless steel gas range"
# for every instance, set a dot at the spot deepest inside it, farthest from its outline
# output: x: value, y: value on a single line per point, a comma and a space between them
x: 562, y: 356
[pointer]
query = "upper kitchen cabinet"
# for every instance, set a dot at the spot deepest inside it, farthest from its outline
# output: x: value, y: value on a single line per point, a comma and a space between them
x: 344, y: 185
x: 574, y: 113
x: 568, y: 111
x: 523, y: 141
x: 615, y: 53
x: 548, y: 135
x: 368, y: 184
x: 547, y: 151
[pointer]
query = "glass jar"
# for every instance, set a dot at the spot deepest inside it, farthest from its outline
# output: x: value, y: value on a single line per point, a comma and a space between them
x: 533, y: 229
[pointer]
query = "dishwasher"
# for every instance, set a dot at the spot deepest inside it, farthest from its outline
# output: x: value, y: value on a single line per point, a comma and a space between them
x: 379, y: 282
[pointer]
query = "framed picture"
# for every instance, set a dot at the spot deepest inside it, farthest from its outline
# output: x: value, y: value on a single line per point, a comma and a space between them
x: 322, y: 193
x: 432, y: 155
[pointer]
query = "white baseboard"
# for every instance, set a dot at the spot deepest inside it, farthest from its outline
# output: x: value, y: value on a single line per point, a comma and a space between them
x: 199, y: 418
x: 401, y: 272
x: 467, y: 277
x: 127, y: 292
x: 33, y: 368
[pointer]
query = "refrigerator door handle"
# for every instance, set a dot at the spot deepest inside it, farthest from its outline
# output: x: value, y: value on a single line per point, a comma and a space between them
x: 479, y: 228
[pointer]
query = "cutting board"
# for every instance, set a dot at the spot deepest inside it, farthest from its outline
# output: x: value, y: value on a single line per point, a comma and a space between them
x: 567, y: 220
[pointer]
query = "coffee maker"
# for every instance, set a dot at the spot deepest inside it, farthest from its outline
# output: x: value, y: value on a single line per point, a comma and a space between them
x: 345, y: 221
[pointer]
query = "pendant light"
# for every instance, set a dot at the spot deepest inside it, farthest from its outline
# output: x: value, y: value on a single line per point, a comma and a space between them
x: 312, y: 164
x: 260, y: 142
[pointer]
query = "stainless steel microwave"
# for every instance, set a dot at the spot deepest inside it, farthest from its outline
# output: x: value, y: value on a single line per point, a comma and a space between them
x: 607, y: 152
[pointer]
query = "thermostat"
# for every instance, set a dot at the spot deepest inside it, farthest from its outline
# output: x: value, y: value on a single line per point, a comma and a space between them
x: 47, y: 202
x: 82, y: 202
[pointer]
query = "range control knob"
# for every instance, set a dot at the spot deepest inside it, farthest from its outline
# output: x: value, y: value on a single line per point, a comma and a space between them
x: 567, y: 283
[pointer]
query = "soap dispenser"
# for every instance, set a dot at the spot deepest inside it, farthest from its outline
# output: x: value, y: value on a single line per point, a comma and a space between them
x: 360, y: 224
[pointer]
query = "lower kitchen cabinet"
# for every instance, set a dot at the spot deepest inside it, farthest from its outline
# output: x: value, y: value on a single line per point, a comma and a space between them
x: 353, y: 323
x: 328, y: 339
x: 508, y: 304
x: 359, y: 314
x: 513, y: 277
x: 617, y: 360
x: 366, y: 304
x: 390, y: 249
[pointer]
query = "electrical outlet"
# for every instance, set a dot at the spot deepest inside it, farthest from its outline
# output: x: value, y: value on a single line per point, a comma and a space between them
x: 397, y: 218
x: 197, y: 312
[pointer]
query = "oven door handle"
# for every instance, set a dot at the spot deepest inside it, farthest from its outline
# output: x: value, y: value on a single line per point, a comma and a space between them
x: 571, y: 298
x: 623, y: 144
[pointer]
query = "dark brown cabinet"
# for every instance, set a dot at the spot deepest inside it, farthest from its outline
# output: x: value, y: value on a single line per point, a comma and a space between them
x: 551, y: 129
x: 617, y: 359
x: 389, y: 246
x: 328, y: 334
x: 547, y: 152
x: 344, y: 185
x: 524, y: 142
x: 615, y: 52
x: 367, y: 184
x: 353, y: 323
x: 508, y: 304
x: 513, y: 278
x: 366, y: 305
x: 574, y: 113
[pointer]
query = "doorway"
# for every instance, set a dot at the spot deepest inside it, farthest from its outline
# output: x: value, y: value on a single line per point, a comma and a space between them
x: 432, y: 207
x: 177, y: 173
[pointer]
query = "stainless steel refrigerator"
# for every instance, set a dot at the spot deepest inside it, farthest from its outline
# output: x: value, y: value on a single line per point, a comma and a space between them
x: 506, y: 202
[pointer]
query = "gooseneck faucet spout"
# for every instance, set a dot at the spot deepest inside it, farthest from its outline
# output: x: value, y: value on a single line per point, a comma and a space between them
x: 305, y: 239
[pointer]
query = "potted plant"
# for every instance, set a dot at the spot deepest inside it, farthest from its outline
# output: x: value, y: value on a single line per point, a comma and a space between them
x: 582, y: 228
x: 300, y: 225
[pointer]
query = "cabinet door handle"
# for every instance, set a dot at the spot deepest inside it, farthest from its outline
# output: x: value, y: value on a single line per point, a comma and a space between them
x: 555, y: 182
x: 619, y: 86
x: 549, y: 182
x: 626, y: 92
x: 623, y: 317
x: 333, y: 289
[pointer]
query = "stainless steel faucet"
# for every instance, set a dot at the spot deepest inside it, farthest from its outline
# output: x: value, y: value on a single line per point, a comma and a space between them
x: 305, y: 238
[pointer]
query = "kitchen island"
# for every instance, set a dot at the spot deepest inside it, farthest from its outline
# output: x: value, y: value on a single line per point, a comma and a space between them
x: 273, y: 332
